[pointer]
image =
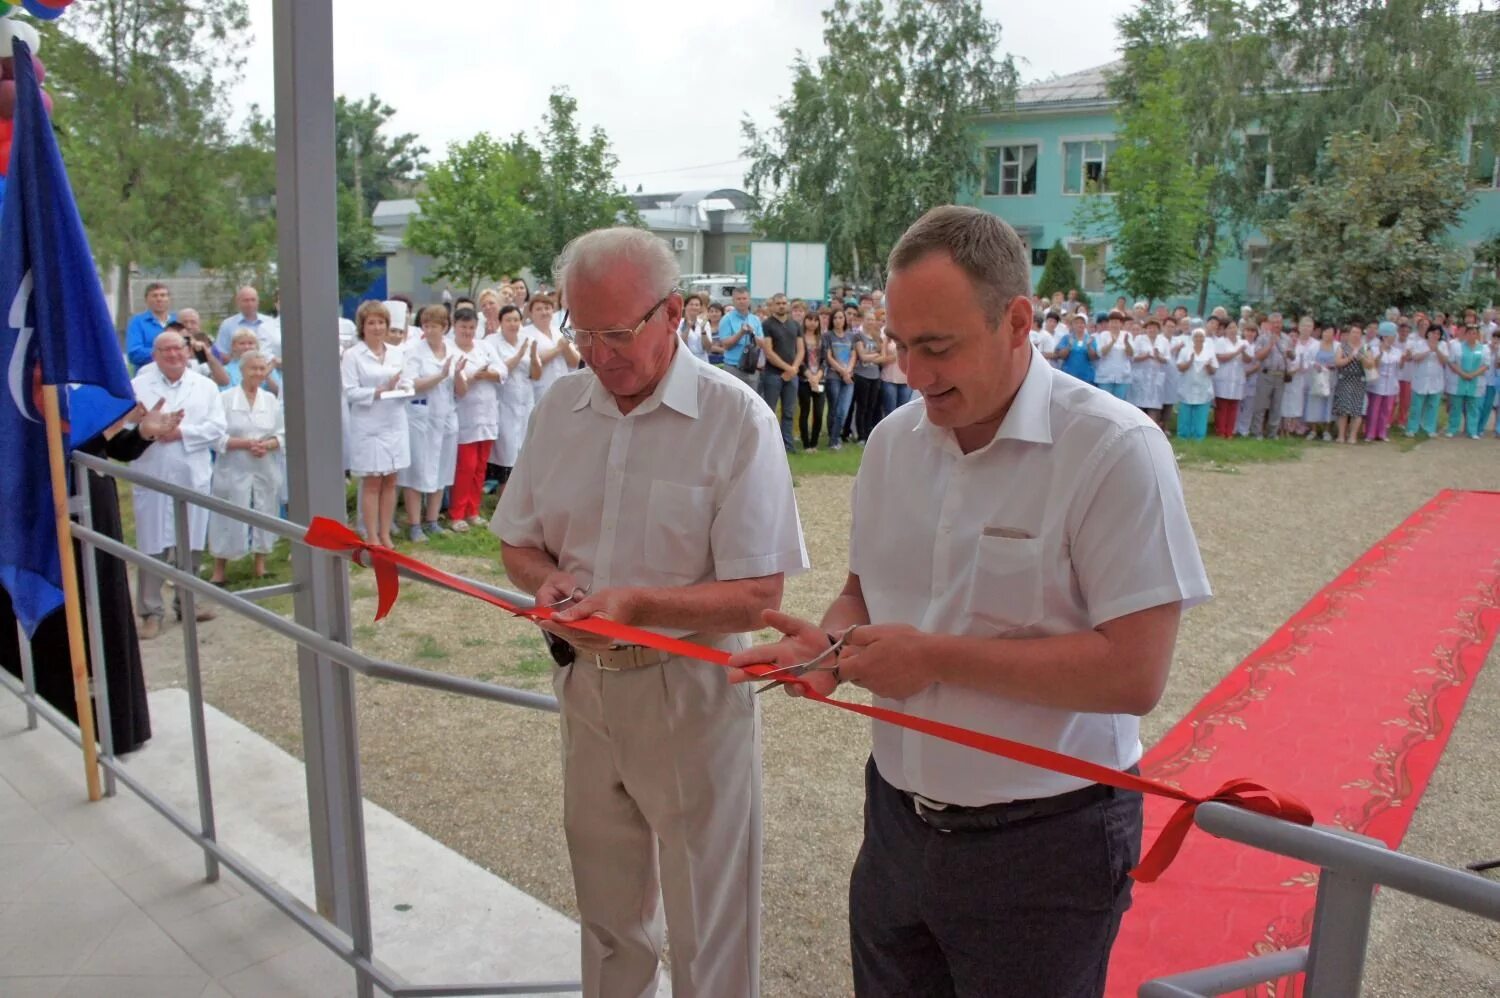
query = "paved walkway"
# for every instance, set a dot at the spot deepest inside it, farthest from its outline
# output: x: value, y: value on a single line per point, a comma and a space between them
x: 108, y: 899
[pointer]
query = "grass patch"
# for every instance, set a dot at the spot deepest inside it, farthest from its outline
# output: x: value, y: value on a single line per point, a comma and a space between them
x: 365, y: 632
x: 474, y: 642
x: 1216, y: 454
x: 844, y: 461
x: 428, y: 648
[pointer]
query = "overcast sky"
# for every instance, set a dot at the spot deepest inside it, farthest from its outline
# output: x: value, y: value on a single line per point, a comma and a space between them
x: 669, y: 80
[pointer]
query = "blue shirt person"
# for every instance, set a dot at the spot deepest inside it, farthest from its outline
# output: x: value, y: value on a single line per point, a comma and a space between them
x: 267, y: 330
x: 733, y: 324
x: 145, y: 327
x: 1078, y: 363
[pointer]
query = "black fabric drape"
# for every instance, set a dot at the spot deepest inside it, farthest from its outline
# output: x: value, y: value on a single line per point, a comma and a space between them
x: 130, y: 718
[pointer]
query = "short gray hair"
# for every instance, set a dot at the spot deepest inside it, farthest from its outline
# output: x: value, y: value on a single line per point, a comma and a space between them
x: 250, y: 355
x: 984, y: 246
x: 593, y: 251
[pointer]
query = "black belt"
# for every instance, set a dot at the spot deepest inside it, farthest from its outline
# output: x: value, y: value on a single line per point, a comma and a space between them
x: 955, y: 818
x: 418, y: 401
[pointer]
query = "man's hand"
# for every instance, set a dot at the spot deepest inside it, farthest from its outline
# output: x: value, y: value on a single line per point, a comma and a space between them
x: 804, y: 641
x: 619, y: 605
x: 886, y: 660
x: 789, y: 374
x: 156, y: 422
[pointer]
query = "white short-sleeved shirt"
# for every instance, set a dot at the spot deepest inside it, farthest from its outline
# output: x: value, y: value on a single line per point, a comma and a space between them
x: 1072, y: 516
x: 1112, y: 367
x: 690, y: 486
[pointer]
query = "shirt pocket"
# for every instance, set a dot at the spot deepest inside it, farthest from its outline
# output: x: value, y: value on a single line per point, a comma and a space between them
x: 678, y: 520
x: 1006, y: 592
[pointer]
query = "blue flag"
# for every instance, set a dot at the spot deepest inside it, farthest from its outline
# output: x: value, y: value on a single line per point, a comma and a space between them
x: 55, y: 329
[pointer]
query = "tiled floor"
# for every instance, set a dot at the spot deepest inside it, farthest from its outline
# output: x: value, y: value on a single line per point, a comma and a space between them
x: 108, y: 900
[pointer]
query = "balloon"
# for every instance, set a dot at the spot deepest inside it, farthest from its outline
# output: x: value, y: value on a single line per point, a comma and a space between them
x: 7, y: 130
x: 6, y: 8
x: 55, y: 4
x: 8, y: 69
x: 7, y: 99
x: 41, y: 11
x: 5, y: 158
x: 10, y: 28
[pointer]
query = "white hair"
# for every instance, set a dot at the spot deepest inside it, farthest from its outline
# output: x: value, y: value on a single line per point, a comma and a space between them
x: 594, y: 251
x: 250, y: 355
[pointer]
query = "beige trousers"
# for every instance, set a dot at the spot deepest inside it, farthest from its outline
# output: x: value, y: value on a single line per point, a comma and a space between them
x: 661, y: 803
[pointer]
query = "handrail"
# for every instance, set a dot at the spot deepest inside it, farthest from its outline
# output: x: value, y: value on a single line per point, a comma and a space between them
x: 1331, y: 849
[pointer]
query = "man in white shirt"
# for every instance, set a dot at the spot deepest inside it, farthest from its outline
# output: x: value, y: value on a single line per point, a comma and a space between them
x: 181, y: 457
x: 653, y: 490
x: 1019, y: 560
x: 267, y: 329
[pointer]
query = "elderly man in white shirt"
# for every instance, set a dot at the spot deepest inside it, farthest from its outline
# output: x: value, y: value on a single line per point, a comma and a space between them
x: 654, y: 490
x: 1020, y: 558
x: 182, y: 457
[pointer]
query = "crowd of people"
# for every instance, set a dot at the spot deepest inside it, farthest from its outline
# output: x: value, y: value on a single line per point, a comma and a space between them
x: 1259, y: 375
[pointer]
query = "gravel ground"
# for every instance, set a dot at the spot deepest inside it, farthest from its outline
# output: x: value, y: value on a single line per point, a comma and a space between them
x: 484, y: 778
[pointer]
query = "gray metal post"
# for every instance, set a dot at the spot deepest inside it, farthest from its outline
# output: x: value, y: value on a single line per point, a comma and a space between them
x: 97, y: 666
x: 308, y: 272
x: 186, y: 606
x: 1341, y: 930
x: 28, y: 674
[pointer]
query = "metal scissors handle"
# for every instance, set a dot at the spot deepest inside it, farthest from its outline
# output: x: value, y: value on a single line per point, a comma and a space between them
x: 818, y: 663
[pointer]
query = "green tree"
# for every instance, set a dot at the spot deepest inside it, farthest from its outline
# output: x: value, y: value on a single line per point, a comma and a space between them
x: 1058, y: 273
x: 577, y: 190
x: 159, y: 175
x: 356, y: 245
x: 478, y: 210
x: 880, y: 129
x: 1371, y: 231
x: 376, y: 165
x: 1156, y: 211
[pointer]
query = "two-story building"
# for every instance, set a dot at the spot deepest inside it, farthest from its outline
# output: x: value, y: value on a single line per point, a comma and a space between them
x: 1043, y: 154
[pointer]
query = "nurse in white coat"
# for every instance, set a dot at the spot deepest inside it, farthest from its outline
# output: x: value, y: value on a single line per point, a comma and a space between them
x: 433, y: 425
x: 511, y: 345
x: 182, y: 457
x: 247, y: 472
x: 477, y: 376
x: 553, y: 353
x: 376, y: 387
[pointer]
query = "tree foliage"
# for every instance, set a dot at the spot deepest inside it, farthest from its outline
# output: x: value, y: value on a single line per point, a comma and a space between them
x: 879, y: 130
x: 356, y: 245
x: 1370, y: 231
x: 160, y: 176
x: 1058, y: 273
x: 378, y: 165
x: 1156, y: 214
x: 577, y: 190
x: 478, y: 210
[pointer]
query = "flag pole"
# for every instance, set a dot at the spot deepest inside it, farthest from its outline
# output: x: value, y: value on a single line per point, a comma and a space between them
x: 72, y: 605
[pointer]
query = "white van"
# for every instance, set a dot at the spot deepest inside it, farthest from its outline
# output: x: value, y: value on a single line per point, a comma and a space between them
x: 716, y: 287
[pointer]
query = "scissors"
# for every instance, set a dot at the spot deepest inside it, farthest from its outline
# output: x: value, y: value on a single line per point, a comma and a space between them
x: 819, y: 663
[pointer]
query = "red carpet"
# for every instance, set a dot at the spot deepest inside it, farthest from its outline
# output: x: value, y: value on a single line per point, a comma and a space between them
x: 1348, y: 706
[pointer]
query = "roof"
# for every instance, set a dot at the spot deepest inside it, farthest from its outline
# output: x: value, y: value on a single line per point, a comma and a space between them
x: 1087, y: 87
x: 395, y: 212
x: 692, y: 199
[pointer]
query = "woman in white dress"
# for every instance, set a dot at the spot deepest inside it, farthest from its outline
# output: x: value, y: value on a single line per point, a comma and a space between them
x: 432, y: 424
x: 1148, y: 353
x: 1196, y: 363
x: 1298, y: 361
x: 516, y: 399
x: 477, y: 375
x: 247, y: 472
x: 552, y: 353
x: 693, y: 329
x: 1424, y: 357
x: 1229, y: 381
x: 379, y: 444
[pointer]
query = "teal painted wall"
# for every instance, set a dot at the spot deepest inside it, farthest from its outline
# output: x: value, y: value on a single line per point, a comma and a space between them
x: 1048, y: 214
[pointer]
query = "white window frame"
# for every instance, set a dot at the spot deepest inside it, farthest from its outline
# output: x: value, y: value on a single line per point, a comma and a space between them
x: 1268, y: 179
x: 1494, y: 183
x: 998, y: 148
x: 1062, y: 149
x: 1254, y: 252
x: 1079, y: 249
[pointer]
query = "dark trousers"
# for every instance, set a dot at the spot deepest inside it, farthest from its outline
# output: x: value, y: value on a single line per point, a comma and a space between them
x: 776, y: 389
x: 866, y: 405
x: 809, y: 403
x: 1028, y: 909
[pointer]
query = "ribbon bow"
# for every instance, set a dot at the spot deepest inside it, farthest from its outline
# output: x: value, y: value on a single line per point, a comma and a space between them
x: 331, y: 535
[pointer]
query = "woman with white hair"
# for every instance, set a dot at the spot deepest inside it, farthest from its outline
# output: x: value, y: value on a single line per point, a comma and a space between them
x: 432, y: 423
x: 247, y: 472
x: 376, y: 386
x: 1196, y: 363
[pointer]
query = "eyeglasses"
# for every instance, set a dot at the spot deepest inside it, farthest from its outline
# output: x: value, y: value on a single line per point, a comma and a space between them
x: 618, y: 339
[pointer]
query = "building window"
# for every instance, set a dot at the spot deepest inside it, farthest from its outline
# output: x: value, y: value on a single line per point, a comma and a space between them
x: 1089, y: 260
x: 1010, y: 171
x: 1085, y: 166
x: 1484, y: 169
x: 1259, y: 167
x: 1255, y: 273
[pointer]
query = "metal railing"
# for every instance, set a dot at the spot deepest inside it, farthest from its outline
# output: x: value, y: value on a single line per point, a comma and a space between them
x: 355, y: 945
x: 1350, y: 867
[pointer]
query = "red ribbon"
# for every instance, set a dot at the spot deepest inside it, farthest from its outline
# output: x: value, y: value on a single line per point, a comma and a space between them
x: 331, y: 535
